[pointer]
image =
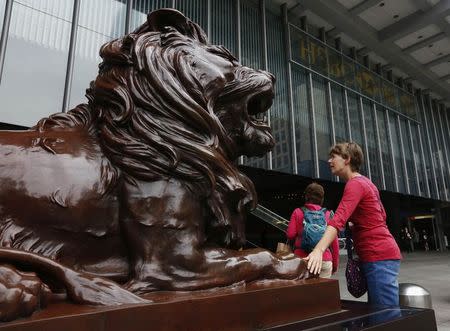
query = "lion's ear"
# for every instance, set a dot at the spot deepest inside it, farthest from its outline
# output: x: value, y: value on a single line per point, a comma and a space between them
x: 162, y: 18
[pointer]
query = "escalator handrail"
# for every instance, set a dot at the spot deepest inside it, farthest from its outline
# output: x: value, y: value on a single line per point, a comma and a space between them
x: 271, y: 218
x: 268, y: 211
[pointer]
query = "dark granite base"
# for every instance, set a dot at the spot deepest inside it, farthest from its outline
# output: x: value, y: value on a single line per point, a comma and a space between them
x: 279, y: 306
x: 356, y: 316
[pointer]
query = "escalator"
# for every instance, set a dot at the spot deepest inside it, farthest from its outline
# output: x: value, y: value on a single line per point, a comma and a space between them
x: 268, y: 216
x: 265, y: 228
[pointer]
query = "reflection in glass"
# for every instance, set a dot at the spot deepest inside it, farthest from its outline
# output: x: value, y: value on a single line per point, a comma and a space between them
x: 407, y: 105
x: 372, y: 145
x: 390, y: 95
x: 223, y: 25
x: 93, y: 31
x: 299, y: 46
x: 35, y: 60
x: 349, y: 72
x: 411, y: 176
x: 279, y: 112
x: 336, y: 68
x: 397, y: 152
x: 303, y: 132
x: 322, y: 117
x: 318, y: 56
x: 340, y: 121
x: 385, y: 150
x: 367, y: 82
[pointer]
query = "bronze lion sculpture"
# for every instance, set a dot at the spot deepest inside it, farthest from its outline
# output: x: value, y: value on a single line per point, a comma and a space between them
x: 139, y: 187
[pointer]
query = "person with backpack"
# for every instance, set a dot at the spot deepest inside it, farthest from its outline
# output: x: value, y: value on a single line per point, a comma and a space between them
x: 307, y: 226
x: 360, y: 204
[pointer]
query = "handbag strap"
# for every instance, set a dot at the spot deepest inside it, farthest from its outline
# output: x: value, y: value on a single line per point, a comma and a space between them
x: 348, y: 241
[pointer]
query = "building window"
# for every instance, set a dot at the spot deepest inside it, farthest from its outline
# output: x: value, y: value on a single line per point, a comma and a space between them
x: 36, y: 60
x: 302, y: 122
x: 93, y: 31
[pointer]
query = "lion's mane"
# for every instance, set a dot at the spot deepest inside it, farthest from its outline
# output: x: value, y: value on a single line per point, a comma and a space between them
x: 154, y: 122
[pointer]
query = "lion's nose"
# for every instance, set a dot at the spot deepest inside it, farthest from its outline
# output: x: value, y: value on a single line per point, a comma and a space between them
x: 271, y: 76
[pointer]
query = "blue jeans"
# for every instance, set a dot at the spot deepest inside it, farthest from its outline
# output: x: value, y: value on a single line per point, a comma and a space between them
x: 382, y: 282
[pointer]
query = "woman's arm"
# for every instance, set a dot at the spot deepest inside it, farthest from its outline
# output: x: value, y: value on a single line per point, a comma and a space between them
x: 353, y: 193
x: 314, y: 258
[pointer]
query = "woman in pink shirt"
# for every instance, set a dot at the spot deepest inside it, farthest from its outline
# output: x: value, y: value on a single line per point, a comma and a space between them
x: 313, y: 195
x: 374, y: 244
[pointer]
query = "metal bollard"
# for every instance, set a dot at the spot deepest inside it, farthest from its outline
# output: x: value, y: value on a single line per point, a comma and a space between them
x: 413, y: 295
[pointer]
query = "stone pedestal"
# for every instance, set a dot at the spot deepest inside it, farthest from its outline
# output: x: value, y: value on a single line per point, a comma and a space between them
x: 312, y: 304
x: 255, y: 306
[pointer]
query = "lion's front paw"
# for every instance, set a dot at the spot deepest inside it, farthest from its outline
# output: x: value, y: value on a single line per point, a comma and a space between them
x: 139, y: 287
x: 21, y: 293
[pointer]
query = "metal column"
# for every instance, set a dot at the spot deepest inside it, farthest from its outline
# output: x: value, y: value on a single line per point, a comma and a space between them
x: 421, y: 142
x: 416, y: 173
x: 262, y: 8
x: 71, y: 56
x: 128, y: 16
x: 313, y: 126
x: 4, y: 36
x: 330, y: 102
x: 287, y: 44
x: 347, y: 115
x: 391, y: 147
x: 366, y: 145
x: 380, y: 154
x: 333, y: 128
x: 402, y: 154
x: 444, y: 150
x: 208, y: 18
x: 439, y: 160
x: 427, y: 131
x: 238, y: 37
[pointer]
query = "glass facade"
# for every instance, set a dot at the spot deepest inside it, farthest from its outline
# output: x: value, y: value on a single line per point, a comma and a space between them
x: 322, y: 96
x: 34, y: 71
x: 282, y: 156
x: 302, y: 122
x: 99, y: 22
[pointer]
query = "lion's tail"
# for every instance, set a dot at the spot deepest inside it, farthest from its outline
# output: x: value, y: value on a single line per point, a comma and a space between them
x: 81, y: 288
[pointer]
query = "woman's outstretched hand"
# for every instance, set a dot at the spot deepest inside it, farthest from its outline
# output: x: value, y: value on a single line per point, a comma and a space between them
x: 314, y: 260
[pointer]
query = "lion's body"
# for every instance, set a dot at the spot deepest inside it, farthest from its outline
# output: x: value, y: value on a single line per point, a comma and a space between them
x: 57, y: 190
x: 140, y: 185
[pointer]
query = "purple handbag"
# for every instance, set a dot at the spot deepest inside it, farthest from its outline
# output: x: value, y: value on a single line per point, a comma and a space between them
x: 356, y: 282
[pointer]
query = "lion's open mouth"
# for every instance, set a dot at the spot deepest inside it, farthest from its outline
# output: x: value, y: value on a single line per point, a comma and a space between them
x: 257, y: 107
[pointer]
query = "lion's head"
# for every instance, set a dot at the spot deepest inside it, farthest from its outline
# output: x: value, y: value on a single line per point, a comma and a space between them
x: 168, y: 104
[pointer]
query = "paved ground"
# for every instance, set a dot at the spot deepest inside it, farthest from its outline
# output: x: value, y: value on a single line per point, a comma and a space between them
x: 430, y: 270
